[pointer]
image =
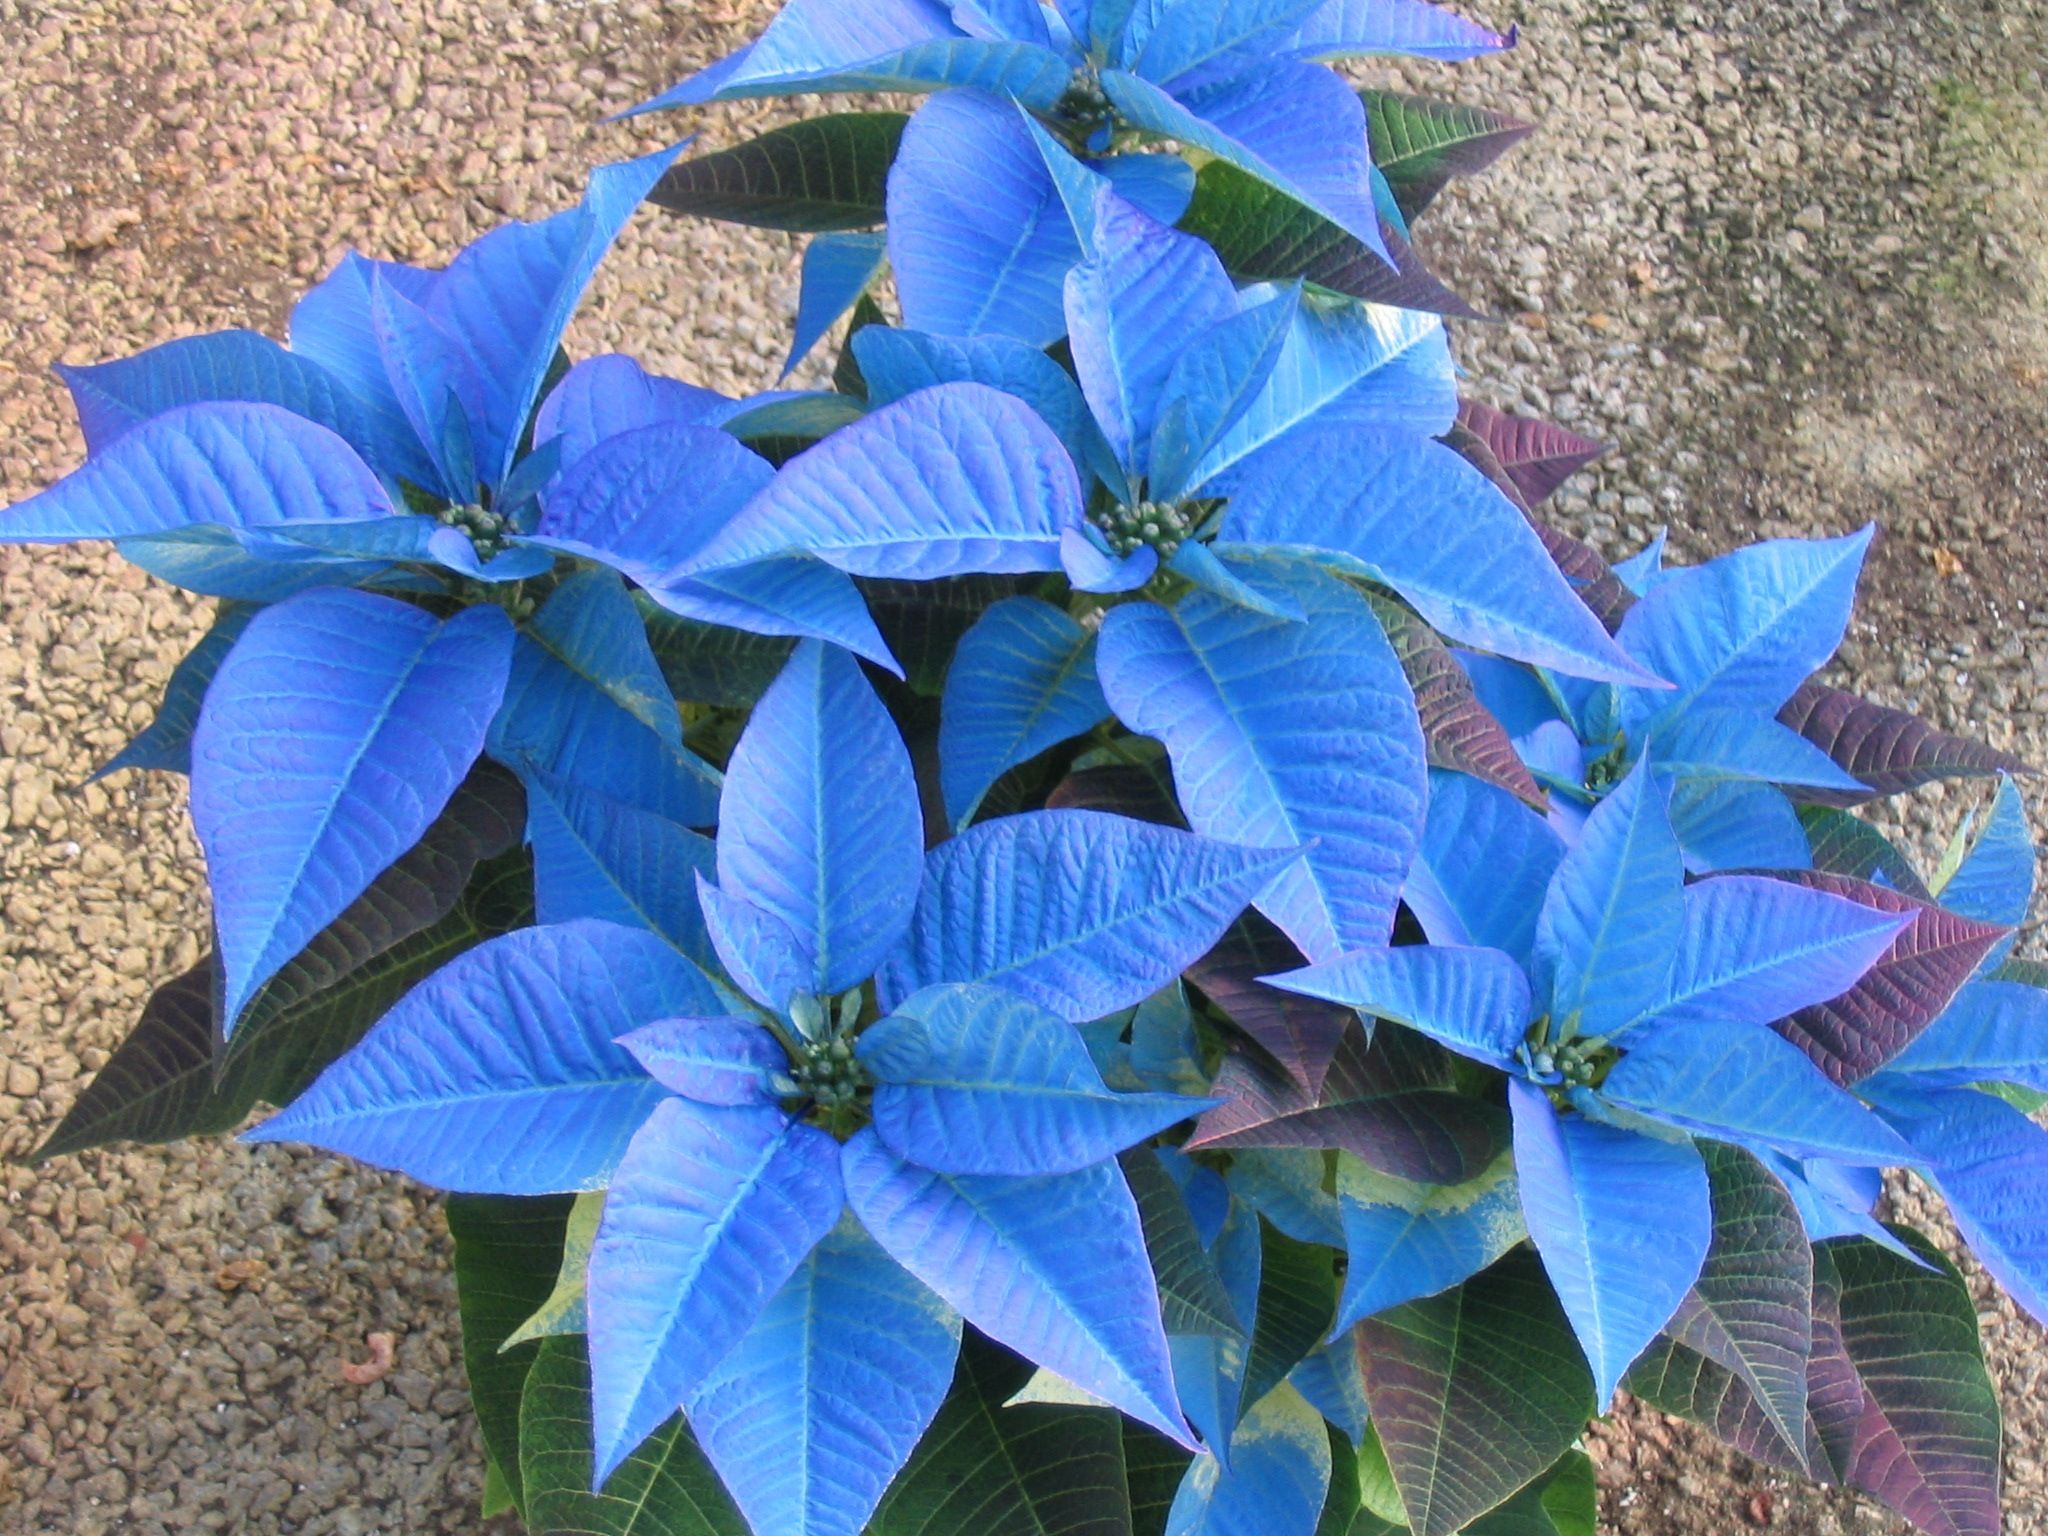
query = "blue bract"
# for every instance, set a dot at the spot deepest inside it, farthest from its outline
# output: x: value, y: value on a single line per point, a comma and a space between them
x: 240, y: 468
x: 1100, y: 924
x: 1737, y: 637
x: 977, y: 244
x: 1638, y: 1019
x: 966, y: 1129
x: 1241, y: 81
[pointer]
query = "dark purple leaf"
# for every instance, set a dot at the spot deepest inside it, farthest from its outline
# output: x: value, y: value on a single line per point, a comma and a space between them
x: 1538, y: 456
x: 1853, y: 1035
x: 1902, y: 1405
x: 1460, y: 732
x: 1591, y: 577
x: 1887, y: 749
x: 1392, y: 1102
x: 1301, y: 1033
x: 1408, y: 284
x: 1751, y: 1310
x: 1477, y: 452
x: 1834, y: 1391
x: 1474, y: 1392
x: 1143, y: 791
x: 163, y: 1082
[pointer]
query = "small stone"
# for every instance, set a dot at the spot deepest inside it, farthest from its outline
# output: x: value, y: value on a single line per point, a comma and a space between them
x: 313, y: 1217
x: 241, y: 1275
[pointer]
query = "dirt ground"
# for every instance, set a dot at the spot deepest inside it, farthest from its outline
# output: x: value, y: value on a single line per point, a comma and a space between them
x: 1790, y: 259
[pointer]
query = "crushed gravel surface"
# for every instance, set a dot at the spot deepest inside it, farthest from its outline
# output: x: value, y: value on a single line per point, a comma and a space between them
x: 1791, y: 260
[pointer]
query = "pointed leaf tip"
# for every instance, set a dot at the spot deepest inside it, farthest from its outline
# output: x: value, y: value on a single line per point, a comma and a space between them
x: 709, y: 1213
x: 1261, y: 717
x: 1000, y: 1086
x: 331, y: 736
x: 1888, y: 750
x: 1622, y: 1221
x: 1851, y: 1036
x: 533, y: 1015
x: 1052, y: 1266
x: 819, y: 823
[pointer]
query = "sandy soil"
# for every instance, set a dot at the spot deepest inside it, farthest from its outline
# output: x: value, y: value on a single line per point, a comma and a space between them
x: 1792, y: 260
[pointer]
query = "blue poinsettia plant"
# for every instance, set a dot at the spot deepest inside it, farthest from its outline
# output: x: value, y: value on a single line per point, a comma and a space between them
x: 1099, y: 923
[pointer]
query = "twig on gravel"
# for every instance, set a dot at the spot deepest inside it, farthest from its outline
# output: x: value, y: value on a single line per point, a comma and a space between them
x: 376, y: 1367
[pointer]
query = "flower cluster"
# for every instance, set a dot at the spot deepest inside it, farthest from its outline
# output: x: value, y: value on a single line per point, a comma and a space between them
x: 1102, y: 914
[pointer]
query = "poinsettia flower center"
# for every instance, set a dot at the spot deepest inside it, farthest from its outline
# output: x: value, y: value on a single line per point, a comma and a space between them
x: 485, y: 528
x: 1557, y: 1056
x: 1084, y: 105
x: 829, y: 1085
x: 829, y: 1074
x: 1160, y: 525
x: 1609, y: 768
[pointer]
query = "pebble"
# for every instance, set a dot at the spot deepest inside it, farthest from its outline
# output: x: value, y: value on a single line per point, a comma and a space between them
x: 1746, y: 244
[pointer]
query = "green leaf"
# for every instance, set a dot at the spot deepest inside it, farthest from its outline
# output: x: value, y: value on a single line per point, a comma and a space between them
x: 1685, y: 1383
x: 1572, y: 1496
x: 782, y: 429
x: 1475, y: 1392
x: 1153, y: 1468
x: 161, y: 1084
x: 1360, y: 1488
x: 665, y: 1488
x: 1902, y: 1404
x: 1362, y: 1500
x: 1033, y: 1470
x: 2028, y: 1101
x: 846, y: 375
x: 562, y: 1311
x: 506, y: 1253
x: 710, y: 664
x: 2031, y: 973
x: 924, y: 620
x: 1297, y: 1304
x: 1562, y: 1504
x: 824, y: 173
x: 497, y: 1499
x: 484, y: 818
x: 1191, y: 1295
x: 1843, y: 843
x: 1420, y: 143
x: 1263, y: 235
x: 1751, y: 1310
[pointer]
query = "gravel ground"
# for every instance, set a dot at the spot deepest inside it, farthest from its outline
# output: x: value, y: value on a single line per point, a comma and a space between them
x: 1792, y: 260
